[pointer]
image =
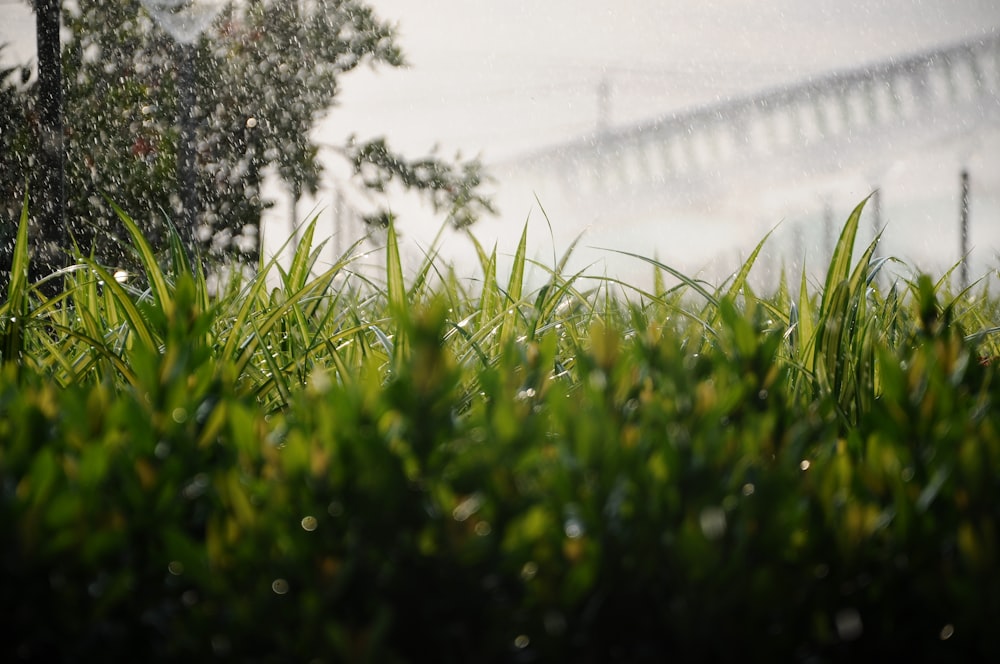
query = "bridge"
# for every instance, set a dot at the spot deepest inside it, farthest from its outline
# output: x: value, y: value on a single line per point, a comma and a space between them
x: 852, y: 111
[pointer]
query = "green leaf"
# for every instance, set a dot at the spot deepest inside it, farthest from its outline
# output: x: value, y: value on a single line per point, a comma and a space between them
x: 137, y: 323
x: 158, y: 281
x: 515, y: 286
x: 15, y: 309
x: 840, y: 263
x: 395, y: 286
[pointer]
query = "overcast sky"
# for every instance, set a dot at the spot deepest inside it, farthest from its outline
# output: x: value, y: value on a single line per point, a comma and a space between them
x: 501, y: 77
x: 506, y: 75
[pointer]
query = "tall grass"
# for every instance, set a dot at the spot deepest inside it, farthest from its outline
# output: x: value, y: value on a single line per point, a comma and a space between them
x: 146, y: 330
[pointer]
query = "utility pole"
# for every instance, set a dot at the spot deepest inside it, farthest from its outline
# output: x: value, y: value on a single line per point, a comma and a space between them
x: 964, y: 227
x: 50, y: 199
x: 828, y: 231
x: 876, y: 211
x: 603, y: 106
x: 338, y: 224
x: 293, y: 213
x: 187, y: 178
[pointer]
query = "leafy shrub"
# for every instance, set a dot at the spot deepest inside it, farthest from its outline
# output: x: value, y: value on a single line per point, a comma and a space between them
x: 407, y: 473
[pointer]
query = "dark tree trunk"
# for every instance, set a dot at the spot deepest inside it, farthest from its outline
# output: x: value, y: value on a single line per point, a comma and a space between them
x: 186, y: 175
x: 50, y: 198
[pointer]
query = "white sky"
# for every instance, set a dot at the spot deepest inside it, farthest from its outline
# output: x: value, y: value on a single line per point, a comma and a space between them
x: 503, y: 76
x: 500, y: 77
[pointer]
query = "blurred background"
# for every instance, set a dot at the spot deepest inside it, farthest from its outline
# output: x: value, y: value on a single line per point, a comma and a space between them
x: 576, y: 105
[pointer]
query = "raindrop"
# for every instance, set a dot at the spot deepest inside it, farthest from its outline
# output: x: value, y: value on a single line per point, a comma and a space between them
x: 309, y: 523
x: 279, y: 586
x: 748, y: 489
x: 57, y: 581
x: 713, y: 522
x: 526, y: 394
x: 598, y: 380
x: 121, y: 276
x: 162, y: 450
x: 467, y: 507
x: 483, y: 528
x: 179, y: 415
x: 521, y: 641
x: 573, y: 528
x: 848, y: 622
x: 221, y: 645
x: 555, y: 623
x: 175, y: 567
x: 195, y: 487
x: 529, y: 570
x: 251, y: 122
x: 805, y: 464
x: 947, y: 632
x: 189, y: 598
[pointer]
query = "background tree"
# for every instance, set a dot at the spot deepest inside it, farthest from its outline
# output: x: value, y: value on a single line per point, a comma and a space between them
x: 267, y: 71
x: 17, y: 151
x: 15, y: 145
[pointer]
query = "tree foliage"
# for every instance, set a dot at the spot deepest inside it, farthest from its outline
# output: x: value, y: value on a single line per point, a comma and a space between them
x: 13, y: 141
x: 267, y: 72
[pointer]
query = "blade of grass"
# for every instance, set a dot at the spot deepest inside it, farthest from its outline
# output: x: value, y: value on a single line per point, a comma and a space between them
x: 278, y: 376
x: 489, y: 298
x: 840, y: 263
x: 157, y: 280
x: 272, y: 316
x: 515, y: 286
x: 128, y: 310
x: 744, y: 271
x: 303, y: 258
x: 806, y: 328
x: 396, y: 295
x: 15, y: 308
x: 693, y: 284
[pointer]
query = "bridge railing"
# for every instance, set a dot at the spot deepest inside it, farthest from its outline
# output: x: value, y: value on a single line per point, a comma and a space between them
x: 849, y: 105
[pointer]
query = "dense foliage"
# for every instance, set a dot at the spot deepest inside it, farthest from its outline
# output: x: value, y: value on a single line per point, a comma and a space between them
x: 342, y: 470
x: 267, y: 72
